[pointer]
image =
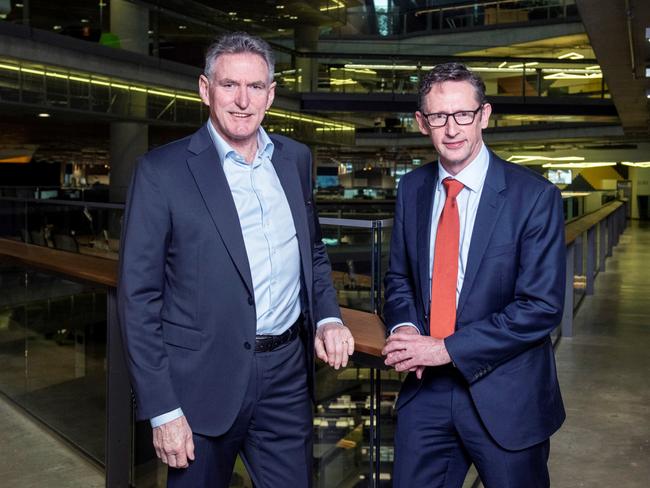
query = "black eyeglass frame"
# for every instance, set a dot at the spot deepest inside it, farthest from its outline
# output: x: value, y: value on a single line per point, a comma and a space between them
x: 473, y: 112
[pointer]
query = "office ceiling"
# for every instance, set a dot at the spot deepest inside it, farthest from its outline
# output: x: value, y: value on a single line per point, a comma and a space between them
x: 617, y: 33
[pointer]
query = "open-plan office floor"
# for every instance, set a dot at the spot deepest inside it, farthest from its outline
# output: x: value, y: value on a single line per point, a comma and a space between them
x: 603, y: 369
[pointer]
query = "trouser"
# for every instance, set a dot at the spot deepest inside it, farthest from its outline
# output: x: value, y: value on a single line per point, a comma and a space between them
x: 272, y: 432
x: 440, y: 434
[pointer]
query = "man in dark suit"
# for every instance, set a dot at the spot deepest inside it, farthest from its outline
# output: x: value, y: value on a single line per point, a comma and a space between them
x: 222, y: 269
x: 475, y: 286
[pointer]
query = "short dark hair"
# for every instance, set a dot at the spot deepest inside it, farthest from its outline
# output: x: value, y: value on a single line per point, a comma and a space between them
x: 237, y: 43
x: 450, y: 72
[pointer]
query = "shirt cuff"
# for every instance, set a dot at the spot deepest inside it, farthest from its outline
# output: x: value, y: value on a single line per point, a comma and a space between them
x: 329, y: 320
x: 404, y: 324
x: 166, y: 417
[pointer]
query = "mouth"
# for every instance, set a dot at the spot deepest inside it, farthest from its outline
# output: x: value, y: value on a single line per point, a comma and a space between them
x: 240, y: 115
x: 453, y: 144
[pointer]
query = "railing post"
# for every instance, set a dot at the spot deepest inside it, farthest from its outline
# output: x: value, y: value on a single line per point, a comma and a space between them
x: 579, y: 258
x: 567, y: 315
x: 591, y: 260
x: 602, y: 244
x: 610, y: 235
x: 374, y: 481
x: 119, y: 412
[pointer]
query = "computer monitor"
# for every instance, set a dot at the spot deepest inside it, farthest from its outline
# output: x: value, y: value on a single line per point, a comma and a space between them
x: 559, y: 176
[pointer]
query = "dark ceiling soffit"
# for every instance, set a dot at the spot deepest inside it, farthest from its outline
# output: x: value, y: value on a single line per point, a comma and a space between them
x: 501, y: 105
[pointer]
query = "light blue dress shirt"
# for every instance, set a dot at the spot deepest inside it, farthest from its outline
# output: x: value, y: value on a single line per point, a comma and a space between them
x: 269, y: 237
x: 473, y: 178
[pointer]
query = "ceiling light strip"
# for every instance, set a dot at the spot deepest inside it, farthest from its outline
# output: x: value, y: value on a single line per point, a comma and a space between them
x: 340, y: 126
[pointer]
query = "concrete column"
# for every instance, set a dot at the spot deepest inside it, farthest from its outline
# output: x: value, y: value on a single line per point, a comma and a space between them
x: 306, y: 40
x: 129, y: 140
x: 130, y: 22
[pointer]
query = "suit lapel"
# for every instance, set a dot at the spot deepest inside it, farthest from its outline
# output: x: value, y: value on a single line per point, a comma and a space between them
x: 213, y: 186
x: 487, y: 215
x: 289, y: 178
x: 425, y: 195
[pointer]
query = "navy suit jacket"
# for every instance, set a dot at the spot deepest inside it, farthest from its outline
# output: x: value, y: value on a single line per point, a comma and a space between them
x: 185, y: 293
x: 512, y: 296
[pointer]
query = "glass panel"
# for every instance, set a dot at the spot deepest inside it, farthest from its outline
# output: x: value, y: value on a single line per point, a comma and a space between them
x: 53, y: 351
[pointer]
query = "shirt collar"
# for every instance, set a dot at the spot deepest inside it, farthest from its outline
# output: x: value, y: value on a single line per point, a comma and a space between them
x: 471, y: 176
x: 224, y: 150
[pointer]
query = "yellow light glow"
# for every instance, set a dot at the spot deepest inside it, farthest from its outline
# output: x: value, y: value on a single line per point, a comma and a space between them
x: 579, y: 165
x: 574, y: 76
x: 571, y: 55
x: 639, y: 164
x: 187, y: 96
x: 338, y: 82
x: 521, y: 159
x: 337, y: 5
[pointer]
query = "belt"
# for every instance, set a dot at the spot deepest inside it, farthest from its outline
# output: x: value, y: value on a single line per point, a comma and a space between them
x: 266, y: 343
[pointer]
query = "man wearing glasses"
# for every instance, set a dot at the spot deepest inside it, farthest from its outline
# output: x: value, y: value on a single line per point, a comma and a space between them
x: 474, y: 288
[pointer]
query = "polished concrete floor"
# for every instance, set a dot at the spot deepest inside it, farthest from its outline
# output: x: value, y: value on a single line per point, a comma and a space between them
x: 604, y: 371
x: 31, y: 457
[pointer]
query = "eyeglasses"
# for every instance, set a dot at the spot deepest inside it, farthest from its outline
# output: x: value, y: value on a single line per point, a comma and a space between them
x: 464, y: 117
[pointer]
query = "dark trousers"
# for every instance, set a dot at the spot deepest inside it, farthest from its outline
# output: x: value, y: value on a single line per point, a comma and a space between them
x: 272, y: 432
x: 440, y: 434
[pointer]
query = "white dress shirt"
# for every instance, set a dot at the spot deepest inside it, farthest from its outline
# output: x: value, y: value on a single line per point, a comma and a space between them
x: 473, y: 178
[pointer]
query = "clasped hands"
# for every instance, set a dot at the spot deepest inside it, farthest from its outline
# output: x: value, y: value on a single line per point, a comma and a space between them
x: 407, y: 350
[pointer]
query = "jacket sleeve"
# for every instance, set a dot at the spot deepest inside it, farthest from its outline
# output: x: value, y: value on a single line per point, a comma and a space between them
x: 146, y: 234
x: 399, y: 284
x: 538, y: 300
x: 325, y: 301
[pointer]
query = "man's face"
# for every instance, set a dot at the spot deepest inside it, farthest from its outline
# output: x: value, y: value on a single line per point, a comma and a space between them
x: 457, y: 145
x: 238, y: 94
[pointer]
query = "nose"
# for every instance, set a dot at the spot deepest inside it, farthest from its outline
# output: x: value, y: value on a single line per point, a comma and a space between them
x: 451, y: 128
x: 241, y: 96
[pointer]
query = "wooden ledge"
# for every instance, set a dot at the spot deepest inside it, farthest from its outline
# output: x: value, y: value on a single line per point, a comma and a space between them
x: 582, y: 224
x: 367, y: 328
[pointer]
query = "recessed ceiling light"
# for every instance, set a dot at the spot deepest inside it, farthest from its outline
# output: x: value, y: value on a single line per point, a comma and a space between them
x: 84, y: 21
x: 150, y: 32
x: 280, y: 30
x: 293, y: 17
x: 57, y: 27
x: 182, y: 27
x: 247, y: 20
x: 571, y: 55
x: 232, y: 14
x: 19, y: 5
x: 44, y: 115
x: 279, y: 7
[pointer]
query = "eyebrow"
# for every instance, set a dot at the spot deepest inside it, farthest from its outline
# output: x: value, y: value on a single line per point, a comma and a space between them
x: 234, y: 82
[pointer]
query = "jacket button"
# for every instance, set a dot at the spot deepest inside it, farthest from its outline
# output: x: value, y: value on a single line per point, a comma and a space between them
x: 247, y: 345
x: 250, y: 300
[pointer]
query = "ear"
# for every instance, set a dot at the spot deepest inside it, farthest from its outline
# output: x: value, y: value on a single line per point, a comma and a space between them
x: 422, y: 123
x: 271, y: 96
x: 204, y: 89
x: 485, y: 115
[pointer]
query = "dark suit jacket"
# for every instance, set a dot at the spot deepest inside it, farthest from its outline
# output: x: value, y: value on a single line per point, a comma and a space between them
x: 186, y: 302
x: 512, y: 296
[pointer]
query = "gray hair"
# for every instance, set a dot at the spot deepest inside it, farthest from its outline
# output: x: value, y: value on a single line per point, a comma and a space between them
x: 451, y: 72
x: 237, y: 43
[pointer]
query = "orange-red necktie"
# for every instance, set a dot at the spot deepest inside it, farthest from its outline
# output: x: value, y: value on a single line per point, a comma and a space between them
x: 442, y: 316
